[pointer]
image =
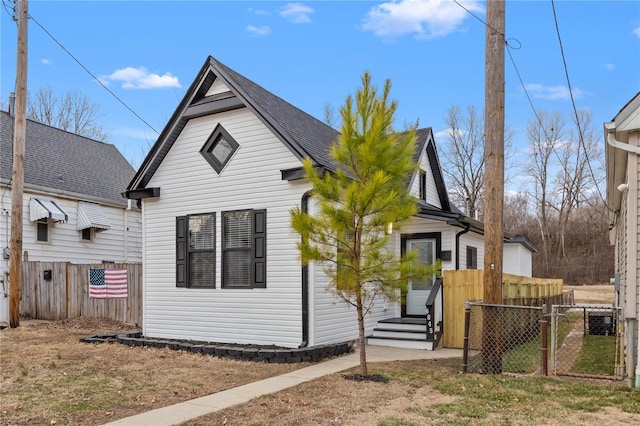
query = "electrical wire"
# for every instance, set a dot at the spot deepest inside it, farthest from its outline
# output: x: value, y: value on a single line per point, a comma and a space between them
x: 573, y: 104
x: 524, y: 88
x: 92, y: 75
x: 11, y: 12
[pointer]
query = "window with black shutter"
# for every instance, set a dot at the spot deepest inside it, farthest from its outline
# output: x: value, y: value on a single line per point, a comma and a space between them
x: 195, y: 251
x: 244, y: 249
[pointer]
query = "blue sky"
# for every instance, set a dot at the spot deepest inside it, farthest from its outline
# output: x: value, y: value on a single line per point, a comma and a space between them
x: 312, y: 53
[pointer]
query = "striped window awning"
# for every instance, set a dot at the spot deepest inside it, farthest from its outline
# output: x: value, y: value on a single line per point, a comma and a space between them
x: 91, y: 215
x: 41, y: 208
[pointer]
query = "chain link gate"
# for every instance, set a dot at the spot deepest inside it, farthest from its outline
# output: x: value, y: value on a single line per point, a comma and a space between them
x: 586, y: 342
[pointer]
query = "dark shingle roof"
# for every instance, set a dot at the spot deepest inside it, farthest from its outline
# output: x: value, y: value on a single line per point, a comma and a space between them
x: 65, y: 162
x: 305, y: 135
x: 310, y: 134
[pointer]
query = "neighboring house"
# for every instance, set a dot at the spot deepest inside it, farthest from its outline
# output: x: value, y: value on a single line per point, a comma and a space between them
x: 220, y: 256
x: 517, y: 259
x: 73, y: 208
x: 622, y: 141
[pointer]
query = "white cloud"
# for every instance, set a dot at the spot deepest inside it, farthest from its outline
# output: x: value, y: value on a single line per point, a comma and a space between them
x: 608, y: 67
x: 258, y: 11
x: 261, y: 31
x: 636, y: 31
x: 297, y: 13
x: 442, y: 135
x: 553, y: 93
x: 130, y: 132
x: 426, y: 19
x: 141, y: 78
x: 46, y: 61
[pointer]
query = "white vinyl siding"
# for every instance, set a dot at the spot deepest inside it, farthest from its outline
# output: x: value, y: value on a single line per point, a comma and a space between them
x: 65, y: 242
x: 431, y: 189
x: 473, y: 240
x: 516, y: 260
x: 334, y: 320
x: 121, y: 243
x: 217, y: 87
x: 251, y: 180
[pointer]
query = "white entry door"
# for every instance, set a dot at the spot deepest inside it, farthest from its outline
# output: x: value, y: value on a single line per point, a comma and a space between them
x: 418, y: 290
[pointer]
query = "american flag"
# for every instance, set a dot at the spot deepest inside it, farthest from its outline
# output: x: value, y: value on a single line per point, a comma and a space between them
x: 107, y: 283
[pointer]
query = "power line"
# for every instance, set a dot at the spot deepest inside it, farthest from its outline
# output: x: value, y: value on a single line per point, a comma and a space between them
x: 535, y: 112
x: 573, y: 104
x: 92, y: 75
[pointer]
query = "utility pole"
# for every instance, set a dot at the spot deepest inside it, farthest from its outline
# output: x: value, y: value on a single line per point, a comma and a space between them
x: 17, y: 178
x: 494, y: 182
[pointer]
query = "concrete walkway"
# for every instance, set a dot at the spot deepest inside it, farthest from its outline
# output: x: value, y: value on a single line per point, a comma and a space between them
x: 178, y: 413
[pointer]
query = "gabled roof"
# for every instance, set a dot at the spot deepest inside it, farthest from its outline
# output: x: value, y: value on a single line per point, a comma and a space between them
x: 424, y: 139
x: 64, y: 163
x: 303, y: 134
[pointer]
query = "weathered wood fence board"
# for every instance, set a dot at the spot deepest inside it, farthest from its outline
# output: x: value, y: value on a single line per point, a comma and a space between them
x: 66, y: 294
x: 468, y: 285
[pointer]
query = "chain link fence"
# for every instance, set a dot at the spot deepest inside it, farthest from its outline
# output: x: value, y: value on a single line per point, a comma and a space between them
x: 505, y: 339
x: 571, y: 341
x: 586, y: 342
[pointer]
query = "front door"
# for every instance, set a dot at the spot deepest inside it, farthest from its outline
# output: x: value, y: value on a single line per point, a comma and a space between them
x: 418, y: 290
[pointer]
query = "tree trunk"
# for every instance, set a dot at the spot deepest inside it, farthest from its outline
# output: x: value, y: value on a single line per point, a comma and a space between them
x: 361, y: 339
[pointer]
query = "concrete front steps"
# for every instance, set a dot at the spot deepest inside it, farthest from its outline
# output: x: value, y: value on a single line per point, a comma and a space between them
x: 410, y: 333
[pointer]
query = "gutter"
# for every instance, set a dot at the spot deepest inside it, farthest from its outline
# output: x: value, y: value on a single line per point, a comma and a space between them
x: 304, y: 206
x: 458, y: 235
x: 611, y: 141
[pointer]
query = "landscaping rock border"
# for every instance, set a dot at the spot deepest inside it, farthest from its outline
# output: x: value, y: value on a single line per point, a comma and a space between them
x: 237, y: 352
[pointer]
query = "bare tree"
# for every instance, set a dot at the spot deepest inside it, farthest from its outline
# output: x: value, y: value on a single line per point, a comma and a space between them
x: 517, y: 214
x: 543, y: 134
x: 574, y: 181
x: 73, y: 112
x: 563, y: 179
x: 463, y: 158
x: 330, y: 115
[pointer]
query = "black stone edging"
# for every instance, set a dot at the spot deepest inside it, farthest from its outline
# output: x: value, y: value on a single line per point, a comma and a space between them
x: 238, y: 352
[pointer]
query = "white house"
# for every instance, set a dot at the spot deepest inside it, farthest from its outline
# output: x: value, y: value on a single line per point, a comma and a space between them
x: 622, y: 142
x: 73, y: 208
x: 220, y: 256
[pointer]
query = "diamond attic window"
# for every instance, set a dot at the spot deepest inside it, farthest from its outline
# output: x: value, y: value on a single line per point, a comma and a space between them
x: 219, y: 148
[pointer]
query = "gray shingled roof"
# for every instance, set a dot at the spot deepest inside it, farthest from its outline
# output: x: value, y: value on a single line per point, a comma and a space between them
x: 309, y: 133
x: 65, y: 162
x: 305, y: 135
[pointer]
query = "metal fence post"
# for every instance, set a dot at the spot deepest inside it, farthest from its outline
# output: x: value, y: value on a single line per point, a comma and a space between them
x: 465, y: 352
x: 543, y: 323
x: 554, y: 341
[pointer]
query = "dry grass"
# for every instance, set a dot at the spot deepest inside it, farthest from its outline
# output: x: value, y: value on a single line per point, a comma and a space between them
x: 49, y: 377
x: 593, y: 294
x: 434, y: 392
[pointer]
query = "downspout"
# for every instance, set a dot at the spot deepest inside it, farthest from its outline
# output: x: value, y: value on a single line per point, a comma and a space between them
x: 458, y: 235
x: 633, y: 188
x: 304, y: 206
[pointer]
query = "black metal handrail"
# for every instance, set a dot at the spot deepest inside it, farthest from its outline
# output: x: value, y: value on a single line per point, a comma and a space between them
x: 430, y: 314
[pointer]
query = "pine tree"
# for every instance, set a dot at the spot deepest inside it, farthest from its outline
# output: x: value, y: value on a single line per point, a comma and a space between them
x: 358, y: 203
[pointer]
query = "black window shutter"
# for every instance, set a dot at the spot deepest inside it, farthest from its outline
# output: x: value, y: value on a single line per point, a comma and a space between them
x: 181, y: 251
x: 260, y: 248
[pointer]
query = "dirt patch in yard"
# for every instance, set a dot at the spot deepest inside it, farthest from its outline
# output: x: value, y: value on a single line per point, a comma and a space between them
x: 49, y: 377
x: 593, y: 294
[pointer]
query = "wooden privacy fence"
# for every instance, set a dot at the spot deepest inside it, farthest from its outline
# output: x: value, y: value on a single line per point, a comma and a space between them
x: 468, y: 285
x: 60, y: 290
